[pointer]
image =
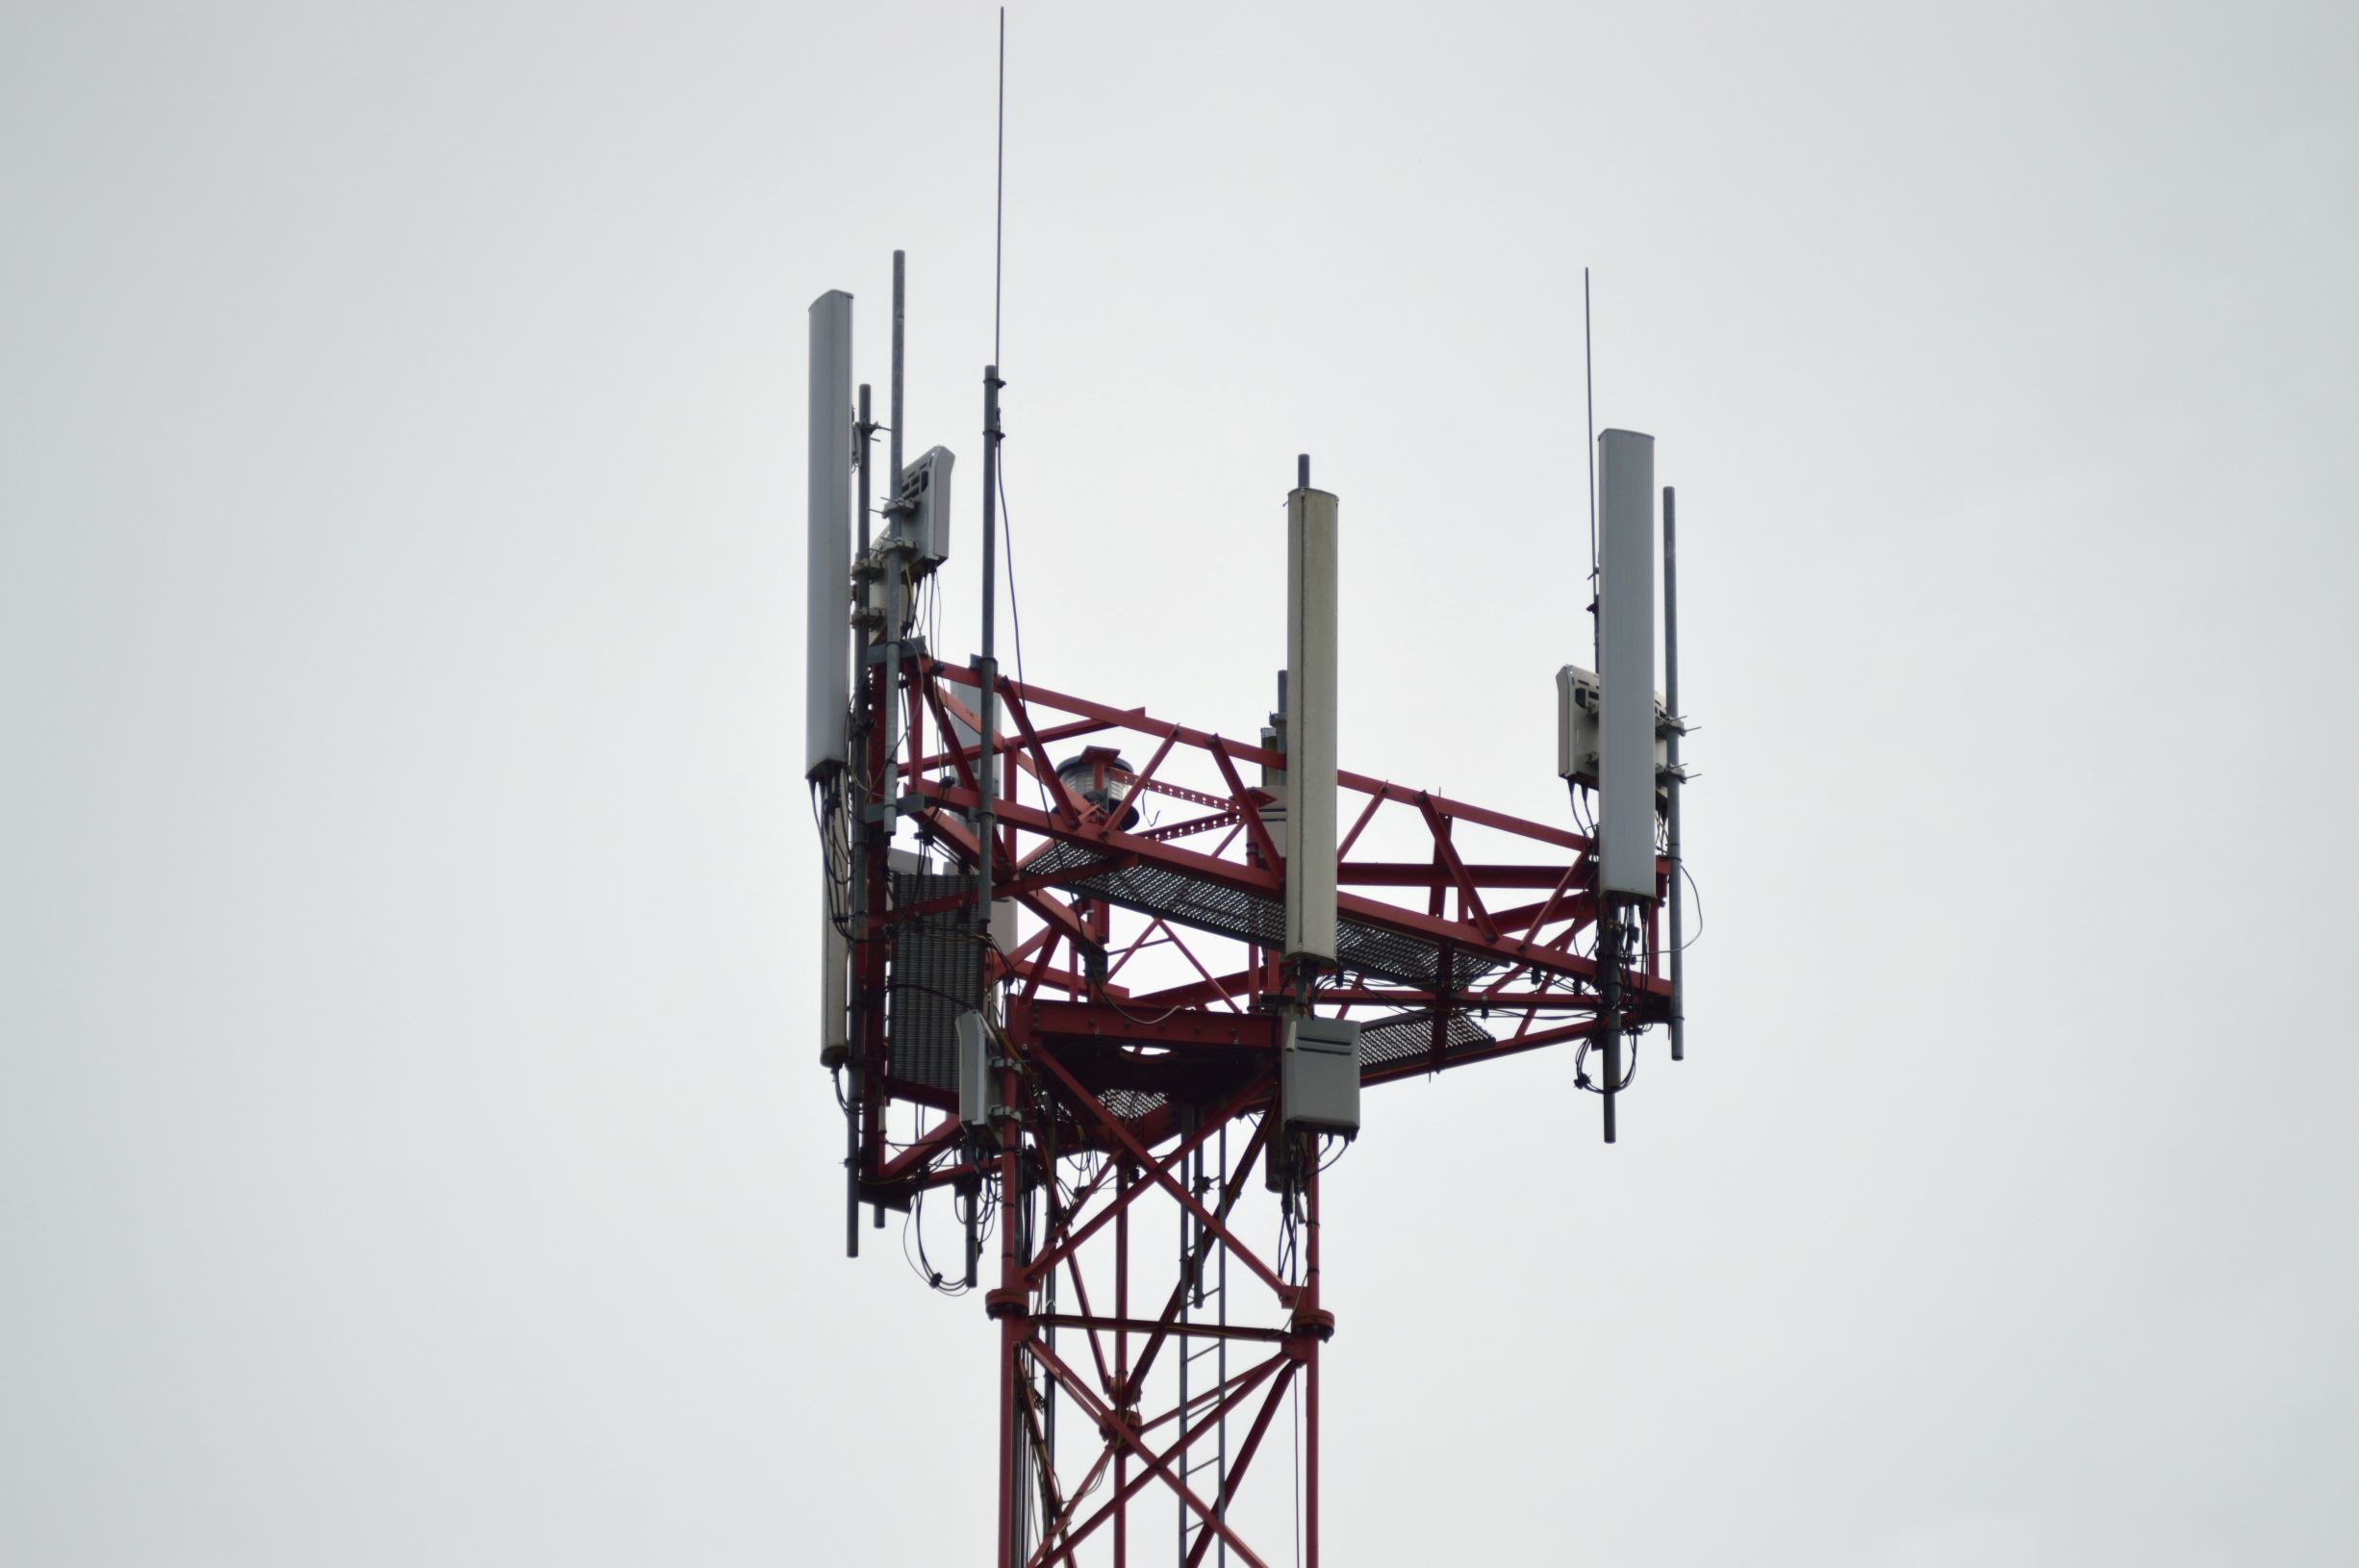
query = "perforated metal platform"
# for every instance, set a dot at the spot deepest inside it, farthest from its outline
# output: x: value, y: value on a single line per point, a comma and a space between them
x: 1206, y: 905
x: 936, y: 962
x: 1405, y: 1036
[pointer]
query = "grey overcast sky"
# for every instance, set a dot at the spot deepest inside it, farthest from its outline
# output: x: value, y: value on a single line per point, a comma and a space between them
x: 411, y: 1143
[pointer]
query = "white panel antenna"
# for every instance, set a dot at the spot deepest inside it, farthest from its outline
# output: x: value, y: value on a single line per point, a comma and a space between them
x: 1310, y: 725
x: 826, y: 697
x: 1626, y: 729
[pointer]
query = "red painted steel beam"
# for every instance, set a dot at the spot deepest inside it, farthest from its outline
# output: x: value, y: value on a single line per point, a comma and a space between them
x: 1063, y: 1239
x: 1050, y: 1551
x: 1088, y: 1020
x: 1050, y: 1257
x: 1359, y: 826
x: 1224, y: 817
x: 1255, y: 827
x: 1096, y: 1344
x: 1140, y: 942
x: 1409, y: 874
x: 956, y: 750
x: 1138, y: 721
x: 1196, y: 992
x: 1003, y: 745
x: 1118, y: 1430
x: 1149, y: 1326
x: 1469, y: 899
x: 1072, y: 981
x: 1199, y: 966
x: 1231, y: 1395
x: 1268, y: 884
x: 1143, y: 778
x: 957, y: 753
x: 1243, y: 1461
x: 1069, y: 804
x: 1161, y: 1173
x: 1031, y: 972
x: 1232, y: 1186
x: 941, y: 1136
x: 1052, y: 1502
x: 955, y: 833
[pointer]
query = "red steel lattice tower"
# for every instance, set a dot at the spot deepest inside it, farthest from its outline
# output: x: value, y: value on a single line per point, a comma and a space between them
x: 1119, y: 1014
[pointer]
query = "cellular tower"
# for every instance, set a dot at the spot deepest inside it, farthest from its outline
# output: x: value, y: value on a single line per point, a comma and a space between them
x: 1108, y: 987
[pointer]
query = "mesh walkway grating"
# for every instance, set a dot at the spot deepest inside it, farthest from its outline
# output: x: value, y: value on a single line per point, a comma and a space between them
x: 936, y: 962
x: 1405, y: 1036
x: 1206, y: 905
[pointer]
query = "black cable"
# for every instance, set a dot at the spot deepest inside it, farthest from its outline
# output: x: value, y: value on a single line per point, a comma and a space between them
x: 1015, y: 608
x: 1697, y: 935
x: 934, y: 1278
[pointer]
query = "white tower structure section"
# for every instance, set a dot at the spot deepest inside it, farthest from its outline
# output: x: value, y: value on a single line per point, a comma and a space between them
x: 826, y: 697
x: 1626, y: 663
x: 1310, y: 725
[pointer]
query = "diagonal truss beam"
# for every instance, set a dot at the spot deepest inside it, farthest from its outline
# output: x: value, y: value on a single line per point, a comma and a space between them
x: 1121, y: 1137
x: 1120, y: 1436
x: 1158, y: 1172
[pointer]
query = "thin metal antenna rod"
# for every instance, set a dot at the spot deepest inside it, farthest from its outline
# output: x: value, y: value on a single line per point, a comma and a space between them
x: 1610, y: 1000
x: 1588, y: 374
x: 867, y: 433
x: 1609, y: 932
x: 987, y: 668
x: 901, y: 279
x: 1670, y: 698
x: 999, y: 198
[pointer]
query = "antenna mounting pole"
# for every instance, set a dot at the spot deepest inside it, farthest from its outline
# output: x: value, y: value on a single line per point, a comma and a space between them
x: 901, y: 283
x: 1671, y: 780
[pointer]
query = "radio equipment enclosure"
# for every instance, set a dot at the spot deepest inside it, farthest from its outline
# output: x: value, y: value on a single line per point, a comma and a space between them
x: 926, y: 510
x: 1318, y: 1075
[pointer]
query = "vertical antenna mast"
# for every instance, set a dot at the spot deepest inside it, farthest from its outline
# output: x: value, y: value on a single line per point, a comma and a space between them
x: 1588, y: 377
x: 1671, y: 775
x: 987, y: 666
x: 999, y: 195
